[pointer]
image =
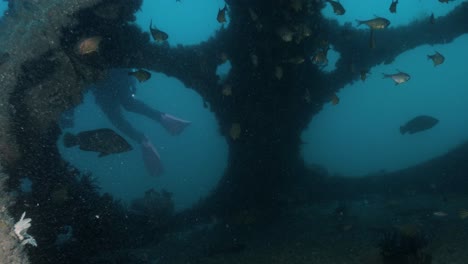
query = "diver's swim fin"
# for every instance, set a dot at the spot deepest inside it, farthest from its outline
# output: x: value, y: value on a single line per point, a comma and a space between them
x: 173, y: 124
x: 151, y: 158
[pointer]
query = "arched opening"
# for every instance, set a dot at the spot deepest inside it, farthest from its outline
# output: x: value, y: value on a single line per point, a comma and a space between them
x: 361, y: 135
x: 193, y: 161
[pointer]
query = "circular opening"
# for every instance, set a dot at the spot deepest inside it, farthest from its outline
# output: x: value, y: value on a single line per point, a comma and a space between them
x: 361, y: 134
x: 193, y: 161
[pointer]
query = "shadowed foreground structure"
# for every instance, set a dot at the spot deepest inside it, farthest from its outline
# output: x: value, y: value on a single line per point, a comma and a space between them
x: 42, y: 76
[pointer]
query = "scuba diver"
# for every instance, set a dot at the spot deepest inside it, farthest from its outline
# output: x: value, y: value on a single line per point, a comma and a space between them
x: 117, y: 91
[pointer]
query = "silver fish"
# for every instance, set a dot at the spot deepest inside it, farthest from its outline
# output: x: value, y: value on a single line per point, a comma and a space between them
x: 398, y: 78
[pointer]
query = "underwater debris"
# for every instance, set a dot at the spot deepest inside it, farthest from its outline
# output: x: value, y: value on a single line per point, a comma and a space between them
x: 21, y: 227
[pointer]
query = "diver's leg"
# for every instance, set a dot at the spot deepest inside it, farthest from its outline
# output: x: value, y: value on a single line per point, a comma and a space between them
x: 137, y: 106
x: 171, y: 123
x: 118, y: 120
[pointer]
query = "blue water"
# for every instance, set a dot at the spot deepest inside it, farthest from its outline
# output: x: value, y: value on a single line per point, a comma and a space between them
x: 3, y: 7
x: 361, y: 134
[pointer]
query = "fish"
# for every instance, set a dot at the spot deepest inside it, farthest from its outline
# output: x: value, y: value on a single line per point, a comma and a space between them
x: 252, y: 14
x: 375, y: 23
x: 88, y: 45
x: 437, y: 58
x: 295, y: 60
x: 338, y: 9
x: 141, y: 75
x: 364, y: 74
x: 254, y: 59
x: 235, y: 131
x: 320, y: 57
x: 432, y: 19
x: 221, y: 17
x: 445, y: 1
x: 227, y: 90
x: 393, y: 6
x: 439, y: 214
x: 418, y: 124
x: 285, y: 33
x: 463, y: 214
x: 278, y: 72
x: 335, y: 100
x: 104, y: 140
x: 398, y: 78
x: 307, y: 98
x: 158, y: 35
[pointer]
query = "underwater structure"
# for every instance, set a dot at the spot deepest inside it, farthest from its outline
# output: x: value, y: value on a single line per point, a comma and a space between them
x: 42, y: 76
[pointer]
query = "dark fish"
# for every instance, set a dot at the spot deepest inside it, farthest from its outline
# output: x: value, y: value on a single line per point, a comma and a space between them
x: 364, y: 74
x: 393, y: 6
x: 432, y: 19
x: 418, y: 124
x: 141, y: 75
x: 337, y: 7
x: 375, y: 23
x: 437, y: 58
x: 105, y: 141
x: 445, y: 1
x: 158, y: 35
x: 221, y: 17
x: 335, y: 100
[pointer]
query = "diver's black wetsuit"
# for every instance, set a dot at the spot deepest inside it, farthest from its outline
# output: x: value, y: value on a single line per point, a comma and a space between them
x: 116, y: 91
